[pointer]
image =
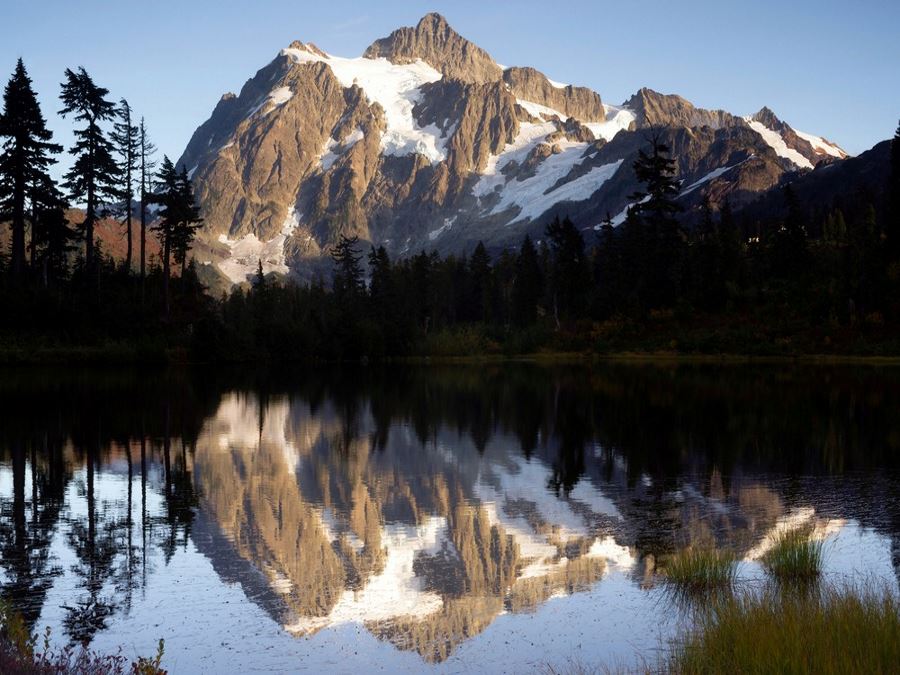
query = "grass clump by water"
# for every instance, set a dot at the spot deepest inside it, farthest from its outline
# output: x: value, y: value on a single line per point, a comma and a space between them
x: 835, y: 631
x: 795, y: 557
x: 701, y: 569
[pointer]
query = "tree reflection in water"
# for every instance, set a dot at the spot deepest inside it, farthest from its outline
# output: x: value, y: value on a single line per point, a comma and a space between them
x: 422, y: 503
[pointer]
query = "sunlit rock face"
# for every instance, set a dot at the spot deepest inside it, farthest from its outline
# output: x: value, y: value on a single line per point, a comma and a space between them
x: 425, y: 142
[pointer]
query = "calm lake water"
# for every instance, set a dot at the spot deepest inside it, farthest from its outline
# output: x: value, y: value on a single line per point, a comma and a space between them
x: 456, y: 519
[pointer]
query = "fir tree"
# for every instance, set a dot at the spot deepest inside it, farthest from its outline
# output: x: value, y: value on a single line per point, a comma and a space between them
x: 893, y: 217
x: 25, y: 156
x: 92, y: 177
x: 147, y: 166
x: 607, y: 269
x: 655, y: 210
x: 788, y: 246
x: 126, y: 137
x: 348, y: 279
x: 381, y: 285
x: 172, y: 211
x: 527, y: 285
x: 569, y: 270
x: 479, y: 272
x: 189, y: 220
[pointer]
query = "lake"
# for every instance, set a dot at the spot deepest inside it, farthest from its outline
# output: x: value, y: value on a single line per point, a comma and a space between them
x: 485, y: 518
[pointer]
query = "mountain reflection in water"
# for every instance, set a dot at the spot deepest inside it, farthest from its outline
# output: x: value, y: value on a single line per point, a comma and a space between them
x: 421, y: 504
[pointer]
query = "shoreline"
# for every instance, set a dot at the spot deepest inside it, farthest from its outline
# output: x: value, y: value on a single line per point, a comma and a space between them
x: 126, y: 356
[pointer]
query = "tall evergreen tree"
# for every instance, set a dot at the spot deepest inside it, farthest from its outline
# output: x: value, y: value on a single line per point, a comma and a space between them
x: 126, y: 137
x: 655, y: 209
x: 148, y: 165
x: 52, y: 238
x: 169, y: 197
x: 348, y: 277
x: 569, y: 271
x: 787, y: 244
x: 92, y: 177
x: 25, y: 155
x: 381, y: 286
x: 189, y: 220
x: 527, y: 285
x: 893, y: 218
x: 479, y: 273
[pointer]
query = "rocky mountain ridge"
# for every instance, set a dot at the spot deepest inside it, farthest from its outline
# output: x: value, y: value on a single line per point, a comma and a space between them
x: 425, y: 142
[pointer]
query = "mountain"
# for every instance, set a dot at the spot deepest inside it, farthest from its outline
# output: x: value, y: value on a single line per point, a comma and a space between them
x: 425, y: 142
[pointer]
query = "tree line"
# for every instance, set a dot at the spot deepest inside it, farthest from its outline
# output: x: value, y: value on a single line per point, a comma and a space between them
x: 113, y: 174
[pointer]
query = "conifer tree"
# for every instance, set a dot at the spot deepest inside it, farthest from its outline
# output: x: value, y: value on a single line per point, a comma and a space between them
x: 92, y: 177
x: 126, y: 137
x: 655, y: 209
x: 569, y: 271
x: 348, y: 278
x: 189, y: 220
x: 52, y: 238
x: 527, y: 285
x: 893, y: 218
x: 381, y: 285
x: 25, y: 155
x: 607, y: 269
x: 147, y: 166
x: 788, y: 246
x: 479, y: 300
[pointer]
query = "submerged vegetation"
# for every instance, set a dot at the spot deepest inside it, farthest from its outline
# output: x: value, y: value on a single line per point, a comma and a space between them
x: 795, y: 557
x: 836, y: 631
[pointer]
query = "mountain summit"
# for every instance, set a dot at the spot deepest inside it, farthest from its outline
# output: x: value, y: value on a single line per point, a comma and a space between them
x: 425, y: 142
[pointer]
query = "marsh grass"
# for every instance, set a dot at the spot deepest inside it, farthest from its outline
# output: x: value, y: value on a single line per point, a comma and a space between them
x: 795, y: 557
x: 833, y: 631
x: 700, y: 570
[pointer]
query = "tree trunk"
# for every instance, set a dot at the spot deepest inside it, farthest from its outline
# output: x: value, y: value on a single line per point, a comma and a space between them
x: 128, y: 252
x: 167, y: 252
x: 17, y: 263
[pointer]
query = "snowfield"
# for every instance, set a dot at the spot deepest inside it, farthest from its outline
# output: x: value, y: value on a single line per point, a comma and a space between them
x: 821, y: 146
x: 776, y: 142
x: 396, y: 88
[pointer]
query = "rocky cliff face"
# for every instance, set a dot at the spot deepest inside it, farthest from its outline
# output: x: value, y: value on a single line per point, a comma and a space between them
x: 436, y: 43
x: 425, y: 142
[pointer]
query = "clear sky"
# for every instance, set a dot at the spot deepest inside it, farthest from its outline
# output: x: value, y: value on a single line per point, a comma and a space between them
x: 829, y: 68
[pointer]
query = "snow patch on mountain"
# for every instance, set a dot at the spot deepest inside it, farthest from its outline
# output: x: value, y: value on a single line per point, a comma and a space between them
x: 396, y: 88
x: 333, y: 149
x: 540, y: 111
x: 617, y: 119
x: 776, y: 142
x: 448, y: 224
x: 536, y: 194
x: 712, y: 175
x: 246, y: 253
x: 529, y: 136
x: 821, y: 146
x: 277, y: 97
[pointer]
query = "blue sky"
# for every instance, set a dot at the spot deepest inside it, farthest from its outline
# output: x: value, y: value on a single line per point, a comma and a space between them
x: 829, y: 68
